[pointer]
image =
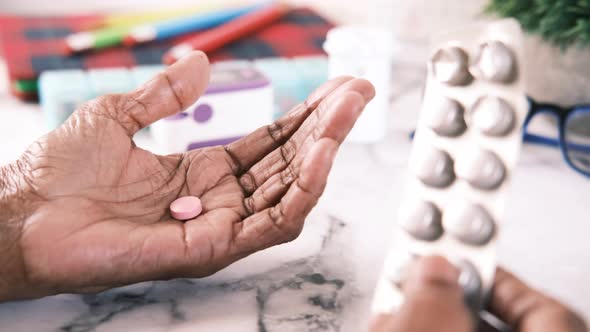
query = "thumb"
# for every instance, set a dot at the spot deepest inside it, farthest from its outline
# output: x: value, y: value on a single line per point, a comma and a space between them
x: 433, y: 301
x: 170, y: 92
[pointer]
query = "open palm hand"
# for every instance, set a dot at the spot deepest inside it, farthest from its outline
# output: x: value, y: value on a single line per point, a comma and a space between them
x: 97, y: 212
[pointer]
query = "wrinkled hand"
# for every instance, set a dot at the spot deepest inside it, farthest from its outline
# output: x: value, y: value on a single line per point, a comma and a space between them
x: 95, y: 206
x: 434, y: 303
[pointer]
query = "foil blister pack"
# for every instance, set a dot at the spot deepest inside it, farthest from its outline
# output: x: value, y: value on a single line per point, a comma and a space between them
x: 465, y: 149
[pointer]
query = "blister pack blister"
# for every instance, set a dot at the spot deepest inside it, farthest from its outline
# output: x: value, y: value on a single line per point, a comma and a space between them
x: 465, y: 149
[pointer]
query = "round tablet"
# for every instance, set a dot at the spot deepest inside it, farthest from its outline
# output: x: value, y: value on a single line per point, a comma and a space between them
x: 450, y: 65
x: 494, y: 62
x: 186, y: 208
x: 493, y: 116
x: 469, y: 223
x: 446, y: 117
x: 434, y: 168
x: 422, y: 220
x: 470, y: 281
x: 483, y: 169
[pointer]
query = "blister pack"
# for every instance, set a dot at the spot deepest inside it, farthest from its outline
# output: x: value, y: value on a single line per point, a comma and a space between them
x: 464, y: 152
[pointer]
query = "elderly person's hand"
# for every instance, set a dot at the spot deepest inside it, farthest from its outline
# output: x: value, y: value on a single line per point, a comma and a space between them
x: 434, y: 303
x: 84, y: 209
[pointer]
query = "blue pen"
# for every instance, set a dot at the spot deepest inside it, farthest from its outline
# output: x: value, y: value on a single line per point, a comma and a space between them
x: 173, y: 28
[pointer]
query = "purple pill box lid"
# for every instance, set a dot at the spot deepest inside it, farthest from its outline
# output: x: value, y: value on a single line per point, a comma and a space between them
x: 236, y: 79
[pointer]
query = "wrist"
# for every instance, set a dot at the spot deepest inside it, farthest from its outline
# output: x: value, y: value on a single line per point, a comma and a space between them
x: 14, y: 210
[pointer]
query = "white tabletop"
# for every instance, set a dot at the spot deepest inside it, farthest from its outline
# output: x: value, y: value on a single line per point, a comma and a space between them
x: 324, y: 280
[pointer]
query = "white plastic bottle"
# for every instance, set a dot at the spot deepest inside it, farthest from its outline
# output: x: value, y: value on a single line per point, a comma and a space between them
x: 365, y: 52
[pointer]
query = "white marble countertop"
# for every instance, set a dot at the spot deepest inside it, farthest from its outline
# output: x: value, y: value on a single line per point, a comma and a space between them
x: 324, y: 280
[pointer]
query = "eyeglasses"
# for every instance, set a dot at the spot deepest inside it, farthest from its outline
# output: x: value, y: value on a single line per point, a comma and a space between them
x: 573, y: 137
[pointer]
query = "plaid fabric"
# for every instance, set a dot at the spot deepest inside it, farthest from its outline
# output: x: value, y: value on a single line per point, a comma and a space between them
x: 31, y: 45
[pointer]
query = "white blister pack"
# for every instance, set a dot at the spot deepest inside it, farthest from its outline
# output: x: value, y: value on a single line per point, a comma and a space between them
x: 465, y: 149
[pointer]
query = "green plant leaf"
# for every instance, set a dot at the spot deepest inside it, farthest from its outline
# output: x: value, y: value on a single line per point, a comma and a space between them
x: 563, y: 23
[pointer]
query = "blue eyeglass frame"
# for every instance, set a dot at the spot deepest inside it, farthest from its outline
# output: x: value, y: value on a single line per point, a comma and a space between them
x: 562, y: 114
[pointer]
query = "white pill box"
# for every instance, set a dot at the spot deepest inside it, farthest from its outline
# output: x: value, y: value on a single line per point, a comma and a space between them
x: 465, y: 149
x: 238, y: 101
x: 63, y: 91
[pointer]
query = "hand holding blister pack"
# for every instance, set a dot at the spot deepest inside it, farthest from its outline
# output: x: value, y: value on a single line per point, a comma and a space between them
x: 464, y: 153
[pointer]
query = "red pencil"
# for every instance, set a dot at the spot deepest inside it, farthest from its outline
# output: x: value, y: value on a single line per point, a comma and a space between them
x: 218, y: 37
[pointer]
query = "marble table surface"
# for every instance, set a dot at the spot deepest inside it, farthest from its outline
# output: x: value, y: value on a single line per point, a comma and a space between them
x: 324, y: 280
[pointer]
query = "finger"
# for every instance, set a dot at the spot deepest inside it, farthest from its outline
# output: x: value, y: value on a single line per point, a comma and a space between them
x: 170, y: 92
x: 527, y: 310
x: 247, y: 151
x: 314, y: 127
x: 433, y: 301
x: 284, y: 222
x: 338, y: 114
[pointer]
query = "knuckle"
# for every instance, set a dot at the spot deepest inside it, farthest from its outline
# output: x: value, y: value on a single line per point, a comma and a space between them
x: 317, y: 132
x: 248, y: 182
x: 128, y: 115
x: 275, y: 132
x: 176, y: 90
x: 288, y: 175
x: 263, y: 198
x: 249, y: 205
x: 288, y: 151
x: 233, y: 160
x: 289, y: 230
x: 275, y: 215
x: 322, y: 108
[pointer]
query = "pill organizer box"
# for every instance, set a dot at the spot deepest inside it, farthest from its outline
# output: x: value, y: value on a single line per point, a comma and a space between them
x: 61, y: 92
x: 464, y: 152
x: 293, y: 81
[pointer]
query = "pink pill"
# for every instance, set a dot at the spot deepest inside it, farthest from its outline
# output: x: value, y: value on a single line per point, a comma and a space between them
x: 186, y: 208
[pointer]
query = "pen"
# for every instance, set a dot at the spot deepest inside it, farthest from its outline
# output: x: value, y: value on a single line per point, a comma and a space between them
x: 218, y: 37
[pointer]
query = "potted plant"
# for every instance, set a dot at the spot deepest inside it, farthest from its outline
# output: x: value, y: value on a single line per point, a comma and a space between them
x: 557, y: 47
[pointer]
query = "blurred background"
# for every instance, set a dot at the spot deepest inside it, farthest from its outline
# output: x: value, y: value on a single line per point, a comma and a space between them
x: 415, y: 17
x: 30, y: 51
